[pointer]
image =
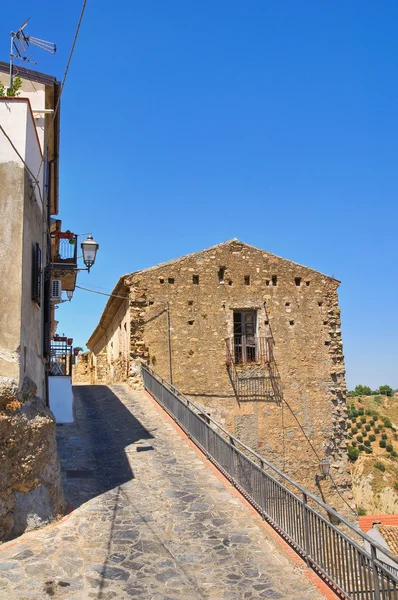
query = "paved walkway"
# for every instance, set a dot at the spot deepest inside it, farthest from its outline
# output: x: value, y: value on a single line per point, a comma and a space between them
x: 151, y: 520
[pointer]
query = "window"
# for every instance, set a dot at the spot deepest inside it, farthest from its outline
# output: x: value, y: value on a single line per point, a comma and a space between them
x: 171, y: 280
x: 36, y: 274
x: 297, y: 281
x: 161, y: 280
x: 245, y: 338
x: 246, y: 279
x: 221, y: 273
x: 274, y: 280
x: 195, y: 279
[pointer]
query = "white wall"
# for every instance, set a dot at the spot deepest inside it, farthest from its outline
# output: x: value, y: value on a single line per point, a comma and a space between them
x: 21, y: 227
x: 61, y: 398
x: 16, y: 120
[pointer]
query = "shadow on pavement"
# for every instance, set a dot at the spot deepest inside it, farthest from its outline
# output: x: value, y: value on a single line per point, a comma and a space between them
x: 93, y: 449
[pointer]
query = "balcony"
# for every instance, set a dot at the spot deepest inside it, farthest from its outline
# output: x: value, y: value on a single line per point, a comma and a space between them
x: 64, y: 258
x: 252, y: 368
x: 248, y: 349
x: 61, y: 356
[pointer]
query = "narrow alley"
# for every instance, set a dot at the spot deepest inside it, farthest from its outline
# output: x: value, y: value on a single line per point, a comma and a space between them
x: 150, y: 520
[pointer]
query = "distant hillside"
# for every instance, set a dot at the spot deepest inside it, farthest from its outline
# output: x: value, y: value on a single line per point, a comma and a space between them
x: 373, y: 449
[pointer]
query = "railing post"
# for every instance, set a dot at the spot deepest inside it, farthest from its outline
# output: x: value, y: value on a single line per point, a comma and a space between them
x: 306, y: 530
x: 207, y: 441
x: 231, y: 441
x: 264, y: 508
x: 373, y: 556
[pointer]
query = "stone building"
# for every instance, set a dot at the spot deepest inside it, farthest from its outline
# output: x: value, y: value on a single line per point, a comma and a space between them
x: 253, y: 338
x: 30, y: 488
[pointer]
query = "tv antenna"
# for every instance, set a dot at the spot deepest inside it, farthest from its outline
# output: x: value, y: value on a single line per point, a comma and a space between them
x: 20, y: 43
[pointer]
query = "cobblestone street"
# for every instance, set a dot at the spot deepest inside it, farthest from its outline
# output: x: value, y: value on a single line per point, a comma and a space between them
x: 150, y: 520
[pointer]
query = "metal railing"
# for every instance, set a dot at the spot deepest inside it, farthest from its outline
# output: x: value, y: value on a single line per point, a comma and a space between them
x: 252, y: 368
x: 61, y: 359
x: 64, y: 251
x: 302, y: 518
x: 244, y: 349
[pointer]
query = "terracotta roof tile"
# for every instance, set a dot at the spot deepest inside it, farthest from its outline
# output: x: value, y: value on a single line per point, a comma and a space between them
x: 366, y: 523
x: 390, y: 534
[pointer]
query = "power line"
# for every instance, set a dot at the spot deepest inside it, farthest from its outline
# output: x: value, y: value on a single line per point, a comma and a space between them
x: 101, y: 293
x: 64, y: 79
x: 317, y: 455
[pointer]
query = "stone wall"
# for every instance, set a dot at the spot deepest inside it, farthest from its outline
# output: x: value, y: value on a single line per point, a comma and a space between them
x: 30, y: 484
x: 82, y: 369
x: 294, y: 304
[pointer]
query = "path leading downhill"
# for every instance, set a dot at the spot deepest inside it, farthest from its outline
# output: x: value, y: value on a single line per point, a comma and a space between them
x: 151, y: 520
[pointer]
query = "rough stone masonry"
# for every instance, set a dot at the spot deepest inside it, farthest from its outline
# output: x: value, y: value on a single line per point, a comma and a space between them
x: 30, y: 482
x: 182, y: 316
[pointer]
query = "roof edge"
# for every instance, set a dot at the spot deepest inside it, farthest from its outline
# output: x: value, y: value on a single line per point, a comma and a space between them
x: 187, y: 256
x: 114, y: 299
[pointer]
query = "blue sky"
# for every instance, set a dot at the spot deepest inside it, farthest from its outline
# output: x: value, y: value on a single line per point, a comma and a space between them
x: 185, y: 124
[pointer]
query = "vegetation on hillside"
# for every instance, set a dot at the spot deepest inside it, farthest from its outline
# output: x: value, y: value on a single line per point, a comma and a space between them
x: 373, y: 435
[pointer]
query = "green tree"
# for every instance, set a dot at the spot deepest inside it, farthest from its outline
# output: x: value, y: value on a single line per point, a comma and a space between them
x: 363, y: 390
x: 353, y: 453
x: 386, y: 390
x: 14, y: 91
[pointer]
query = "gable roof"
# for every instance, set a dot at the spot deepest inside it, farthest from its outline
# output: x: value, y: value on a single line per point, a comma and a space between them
x: 180, y: 259
x: 117, y: 296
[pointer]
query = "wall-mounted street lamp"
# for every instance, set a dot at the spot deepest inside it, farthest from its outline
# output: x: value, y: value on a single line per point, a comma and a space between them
x: 69, y: 294
x: 89, y: 248
x: 64, y: 261
x: 325, y: 469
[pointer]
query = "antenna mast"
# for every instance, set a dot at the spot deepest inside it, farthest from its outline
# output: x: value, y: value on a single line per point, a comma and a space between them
x: 19, y: 45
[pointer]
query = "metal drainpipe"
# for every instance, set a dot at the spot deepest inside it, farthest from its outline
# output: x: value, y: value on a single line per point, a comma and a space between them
x: 46, y: 245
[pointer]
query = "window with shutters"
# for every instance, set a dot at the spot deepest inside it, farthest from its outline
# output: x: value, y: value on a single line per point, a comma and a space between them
x: 36, y: 274
x: 245, y: 339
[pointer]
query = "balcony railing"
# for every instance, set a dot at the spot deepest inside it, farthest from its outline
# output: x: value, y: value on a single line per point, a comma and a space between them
x: 244, y: 349
x: 61, y: 359
x: 64, y: 249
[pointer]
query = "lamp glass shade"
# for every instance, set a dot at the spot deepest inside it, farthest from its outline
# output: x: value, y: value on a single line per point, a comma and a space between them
x: 69, y: 294
x: 89, y: 248
x: 325, y: 466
